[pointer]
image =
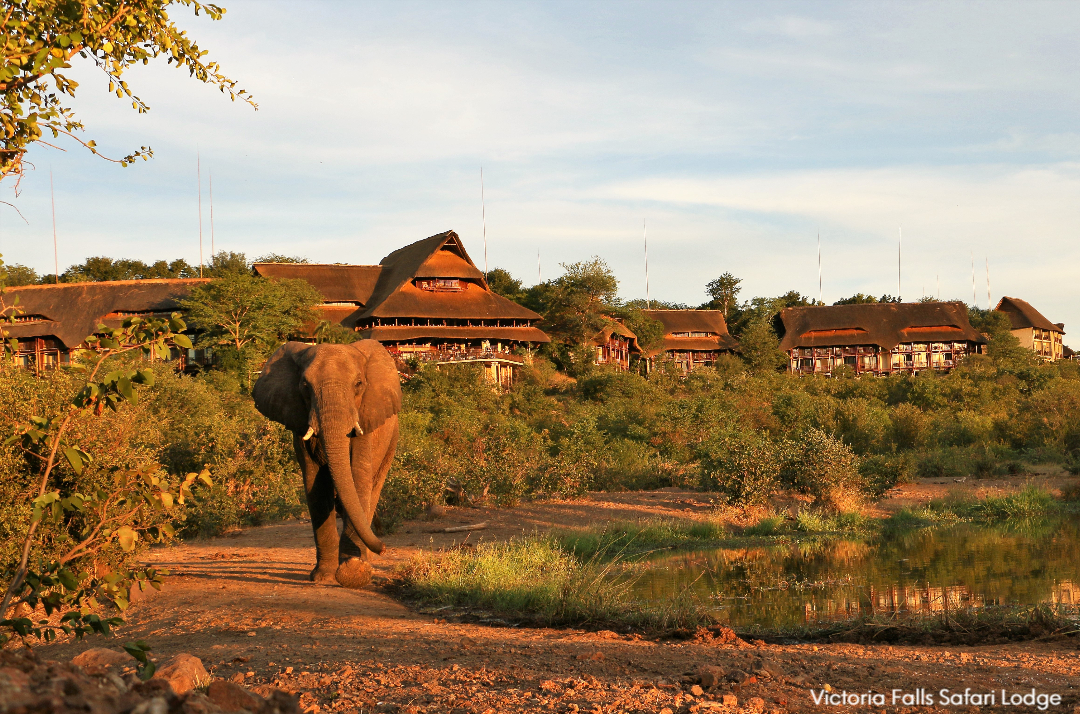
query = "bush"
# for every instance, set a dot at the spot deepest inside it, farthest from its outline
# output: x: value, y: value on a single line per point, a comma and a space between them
x: 744, y: 466
x: 822, y: 466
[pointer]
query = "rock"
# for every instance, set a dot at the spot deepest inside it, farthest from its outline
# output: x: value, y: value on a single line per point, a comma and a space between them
x: 102, y: 657
x: 767, y: 667
x: 755, y: 704
x: 232, y: 697
x: 156, y: 705
x: 696, y: 690
x: 711, y: 675
x: 183, y: 672
x: 738, y: 676
x: 729, y: 700
x: 198, y: 703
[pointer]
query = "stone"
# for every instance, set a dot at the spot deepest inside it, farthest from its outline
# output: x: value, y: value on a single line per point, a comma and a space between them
x: 696, y: 690
x: 198, y: 703
x: 755, y: 704
x: 156, y: 705
x: 729, y: 700
x: 102, y: 657
x: 738, y: 676
x: 711, y: 675
x: 232, y: 697
x: 183, y: 672
x: 762, y: 666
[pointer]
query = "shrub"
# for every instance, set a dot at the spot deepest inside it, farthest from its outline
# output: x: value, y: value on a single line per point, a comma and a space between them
x: 822, y: 466
x: 744, y: 466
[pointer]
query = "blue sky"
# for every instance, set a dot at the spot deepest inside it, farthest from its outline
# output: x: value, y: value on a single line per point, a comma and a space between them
x: 738, y: 131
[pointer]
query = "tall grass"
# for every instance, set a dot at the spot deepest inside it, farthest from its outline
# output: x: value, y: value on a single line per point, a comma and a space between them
x: 620, y: 538
x: 535, y: 580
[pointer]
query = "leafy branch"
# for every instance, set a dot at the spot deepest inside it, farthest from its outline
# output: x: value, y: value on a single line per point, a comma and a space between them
x: 139, y: 504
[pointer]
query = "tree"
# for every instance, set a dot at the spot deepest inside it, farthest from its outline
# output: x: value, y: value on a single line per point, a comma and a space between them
x: 760, y: 347
x: 102, y: 269
x: 857, y: 299
x: 578, y: 303
x: 503, y: 283
x: 724, y: 292
x: 21, y: 275
x: 249, y: 316
x: 278, y: 258
x: 41, y: 37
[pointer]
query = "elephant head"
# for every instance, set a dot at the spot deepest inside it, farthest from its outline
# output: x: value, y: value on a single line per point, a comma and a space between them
x: 329, y: 394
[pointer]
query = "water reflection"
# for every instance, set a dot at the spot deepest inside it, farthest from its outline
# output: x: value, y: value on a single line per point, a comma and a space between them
x: 928, y: 571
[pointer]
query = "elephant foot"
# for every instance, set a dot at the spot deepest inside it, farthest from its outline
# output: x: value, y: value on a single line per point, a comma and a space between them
x: 322, y: 575
x: 353, y: 573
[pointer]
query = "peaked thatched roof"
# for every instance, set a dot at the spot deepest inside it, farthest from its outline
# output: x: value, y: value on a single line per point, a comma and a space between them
x: 396, y: 296
x: 1023, y: 315
x: 708, y: 321
x: 616, y: 328
x: 882, y: 324
x: 71, y: 312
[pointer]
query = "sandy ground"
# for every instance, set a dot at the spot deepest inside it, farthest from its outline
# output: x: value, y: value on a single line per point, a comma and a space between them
x: 242, y: 603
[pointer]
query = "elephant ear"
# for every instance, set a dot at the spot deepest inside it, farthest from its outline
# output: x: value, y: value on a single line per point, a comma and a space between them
x: 277, y: 392
x: 382, y: 390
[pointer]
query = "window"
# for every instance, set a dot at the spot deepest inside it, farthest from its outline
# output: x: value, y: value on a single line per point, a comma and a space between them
x: 439, y: 285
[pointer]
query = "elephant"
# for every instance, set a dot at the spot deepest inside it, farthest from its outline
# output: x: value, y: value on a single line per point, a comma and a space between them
x: 341, y: 403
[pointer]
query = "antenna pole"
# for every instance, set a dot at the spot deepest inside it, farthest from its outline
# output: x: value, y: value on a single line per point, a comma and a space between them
x: 645, y: 236
x: 819, y: 290
x: 56, y: 252
x: 899, y: 260
x: 198, y: 170
x: 974, y: 299
x: 483, y: 217
x: 213, y: 252
x: 987, y: 283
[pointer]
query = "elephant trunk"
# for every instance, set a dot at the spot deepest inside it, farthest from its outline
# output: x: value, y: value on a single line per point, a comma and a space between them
x: 336, y: 417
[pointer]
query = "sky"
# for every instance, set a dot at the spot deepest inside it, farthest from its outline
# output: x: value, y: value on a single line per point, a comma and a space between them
x: 734, y: 133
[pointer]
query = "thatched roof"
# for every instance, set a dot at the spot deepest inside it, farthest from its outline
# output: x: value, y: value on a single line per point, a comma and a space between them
x: 616, y: 328
x: 336, y: 283
x: 882, y: 324
x: 1023, y: 315
x: 707, y: 321
x: 71, y: 312
x: 443, y: 256
x: 365, y: 293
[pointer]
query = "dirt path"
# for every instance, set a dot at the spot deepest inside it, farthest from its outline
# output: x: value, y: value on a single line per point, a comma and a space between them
x: 244, y: 606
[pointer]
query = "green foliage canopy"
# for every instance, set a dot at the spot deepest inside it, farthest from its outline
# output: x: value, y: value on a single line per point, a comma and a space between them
x: 41, y: 37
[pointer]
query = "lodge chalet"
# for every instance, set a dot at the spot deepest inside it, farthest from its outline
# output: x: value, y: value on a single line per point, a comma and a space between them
x: 54, y: 320
x: 614, y: 345
x: 877, y: 338
x: 1033, y: 330
x: 426, y: 301
x: 693, y: 338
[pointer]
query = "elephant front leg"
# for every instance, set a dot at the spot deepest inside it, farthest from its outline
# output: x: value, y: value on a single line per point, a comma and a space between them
x: 319, y: 492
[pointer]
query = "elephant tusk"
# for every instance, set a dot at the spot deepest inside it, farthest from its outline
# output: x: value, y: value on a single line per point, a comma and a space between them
x: 310, y: 433
x: 358, y: 431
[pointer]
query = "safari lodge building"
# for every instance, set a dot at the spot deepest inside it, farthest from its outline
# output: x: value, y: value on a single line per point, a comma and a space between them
x: 426, y: 301
x: 54, y: 320
x: 877, y: 338
x: 693, y: 338
x: 1033, y: 330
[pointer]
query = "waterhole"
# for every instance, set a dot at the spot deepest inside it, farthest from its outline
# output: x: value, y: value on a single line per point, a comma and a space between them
x: 815, y: 581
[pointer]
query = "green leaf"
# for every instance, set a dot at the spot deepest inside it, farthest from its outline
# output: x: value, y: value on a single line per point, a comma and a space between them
x: 123, y: 385
x: 127, y: 537
x: 181, y: 340
x: 68, y: 579
x: 74, y: 458
x: 146, y: 376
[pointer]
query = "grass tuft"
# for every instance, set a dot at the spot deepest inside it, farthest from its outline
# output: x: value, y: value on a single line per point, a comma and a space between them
x: 622, y: 538
x: 535, y: 580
